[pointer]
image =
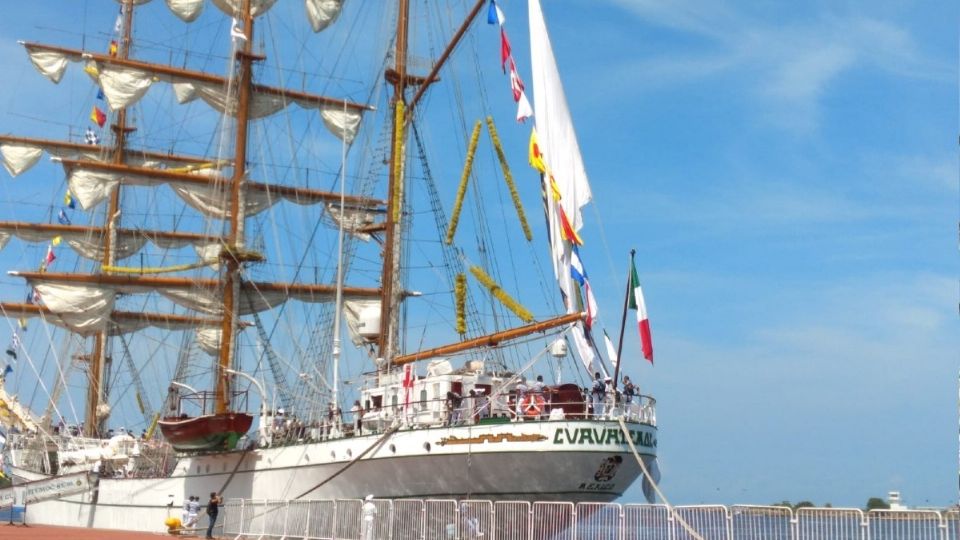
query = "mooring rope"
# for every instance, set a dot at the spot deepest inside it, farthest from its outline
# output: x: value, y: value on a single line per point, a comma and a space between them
x: 646, y: 473
x: 377, y: 444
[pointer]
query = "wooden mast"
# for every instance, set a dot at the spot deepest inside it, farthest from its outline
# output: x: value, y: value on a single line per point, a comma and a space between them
x: 98, y: 362
x: 231, y: 285
x: 390, y: 276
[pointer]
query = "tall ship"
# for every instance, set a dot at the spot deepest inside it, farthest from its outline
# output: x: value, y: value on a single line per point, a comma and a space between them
x: 313, y: 273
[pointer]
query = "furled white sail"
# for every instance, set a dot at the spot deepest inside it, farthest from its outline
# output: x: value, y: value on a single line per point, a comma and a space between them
x: 84, y: 324
x: 209, y: 252
x: 251, y: 300
x: 186, y: 10
x: 342, y: 123
x: 124, y: 86
x: 85, y: 309
x: 363, y: 319
x: 234, y: 7
x: 87, y: 299
x: 124, y: 326
x: 352, y: 219
x: 209, y: 340
x: 92, y: 187
x: 89, y: 244
x: 50, y: 64
x: 19, y: 157
x: 322, y: 13
x: 213, y: 201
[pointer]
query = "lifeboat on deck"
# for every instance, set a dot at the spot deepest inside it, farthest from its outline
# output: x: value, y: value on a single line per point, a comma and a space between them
x: 206, y: 432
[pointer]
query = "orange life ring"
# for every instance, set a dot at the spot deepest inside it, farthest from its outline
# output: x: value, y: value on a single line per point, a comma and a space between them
x: 532, y: 405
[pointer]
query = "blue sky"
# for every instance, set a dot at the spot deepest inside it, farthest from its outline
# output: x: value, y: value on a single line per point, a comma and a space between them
x: 795, y: 188
x: 788, y: 176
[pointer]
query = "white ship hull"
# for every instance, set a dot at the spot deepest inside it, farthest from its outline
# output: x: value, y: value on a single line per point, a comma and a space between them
x: 551, y: 460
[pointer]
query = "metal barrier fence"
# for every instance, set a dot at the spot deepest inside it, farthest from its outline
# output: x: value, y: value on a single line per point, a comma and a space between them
x: 445, y: 519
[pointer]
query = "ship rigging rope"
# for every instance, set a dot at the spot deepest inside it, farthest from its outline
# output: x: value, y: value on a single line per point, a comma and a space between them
x: 375, y: 445
x: 646, y: 473
x: 33, y: 367
x: 233, y: 473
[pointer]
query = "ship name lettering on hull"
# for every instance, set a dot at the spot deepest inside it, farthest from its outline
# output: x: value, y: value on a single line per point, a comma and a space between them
x: 594, y: 486
x: 603, y: 436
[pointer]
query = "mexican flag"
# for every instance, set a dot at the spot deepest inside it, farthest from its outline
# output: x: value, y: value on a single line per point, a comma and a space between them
x: 637, y: 304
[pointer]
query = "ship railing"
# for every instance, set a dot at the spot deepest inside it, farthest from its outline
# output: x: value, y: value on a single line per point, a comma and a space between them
x: 438, y: 413
x: 447, y: 519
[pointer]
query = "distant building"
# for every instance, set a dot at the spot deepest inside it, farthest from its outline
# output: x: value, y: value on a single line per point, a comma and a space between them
x: 893, y: 499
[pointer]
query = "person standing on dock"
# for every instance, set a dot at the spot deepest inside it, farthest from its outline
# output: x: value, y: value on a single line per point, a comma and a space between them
x: 213, y: 508
x: 185, y: 514
x: 193, y: 511
x: 369, y: 512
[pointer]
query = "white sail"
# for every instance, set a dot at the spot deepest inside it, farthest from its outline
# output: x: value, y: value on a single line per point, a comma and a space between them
x: 555, y: 132
x: 209, y: 340
x: 124, y: 86
x: 234, y: 7
x: 557, y: 141
x: 323, y: 13
x: 19, y: 157
x: 21, y: 154
x: 187, y: 10
x: 86, y: 308
x: 92, y: 187
x: 89, y: 243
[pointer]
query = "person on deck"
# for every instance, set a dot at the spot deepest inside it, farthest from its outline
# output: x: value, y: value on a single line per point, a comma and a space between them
x: 597, y: 393
x: 609, y: 397
x: 629, y: 391
x: 454, y: 402
x: 521, y: 395
x: 357, y: 412
x: 470, y: 407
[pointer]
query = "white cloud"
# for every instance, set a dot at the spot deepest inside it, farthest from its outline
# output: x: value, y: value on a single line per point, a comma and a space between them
x: 789, y: 65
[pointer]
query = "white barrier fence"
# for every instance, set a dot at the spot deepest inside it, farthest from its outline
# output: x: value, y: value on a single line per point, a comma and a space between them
x: 441, y: 519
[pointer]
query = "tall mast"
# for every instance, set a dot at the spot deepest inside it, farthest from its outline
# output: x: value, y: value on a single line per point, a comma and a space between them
x: 95, y: 390
x: 231, y: 286
x: 390, y: 278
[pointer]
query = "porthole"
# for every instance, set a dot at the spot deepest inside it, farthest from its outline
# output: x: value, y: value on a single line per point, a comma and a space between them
x: 393, y: 448
x: 349, y: 453
x: 426, y: 446
x: 333, y: 454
